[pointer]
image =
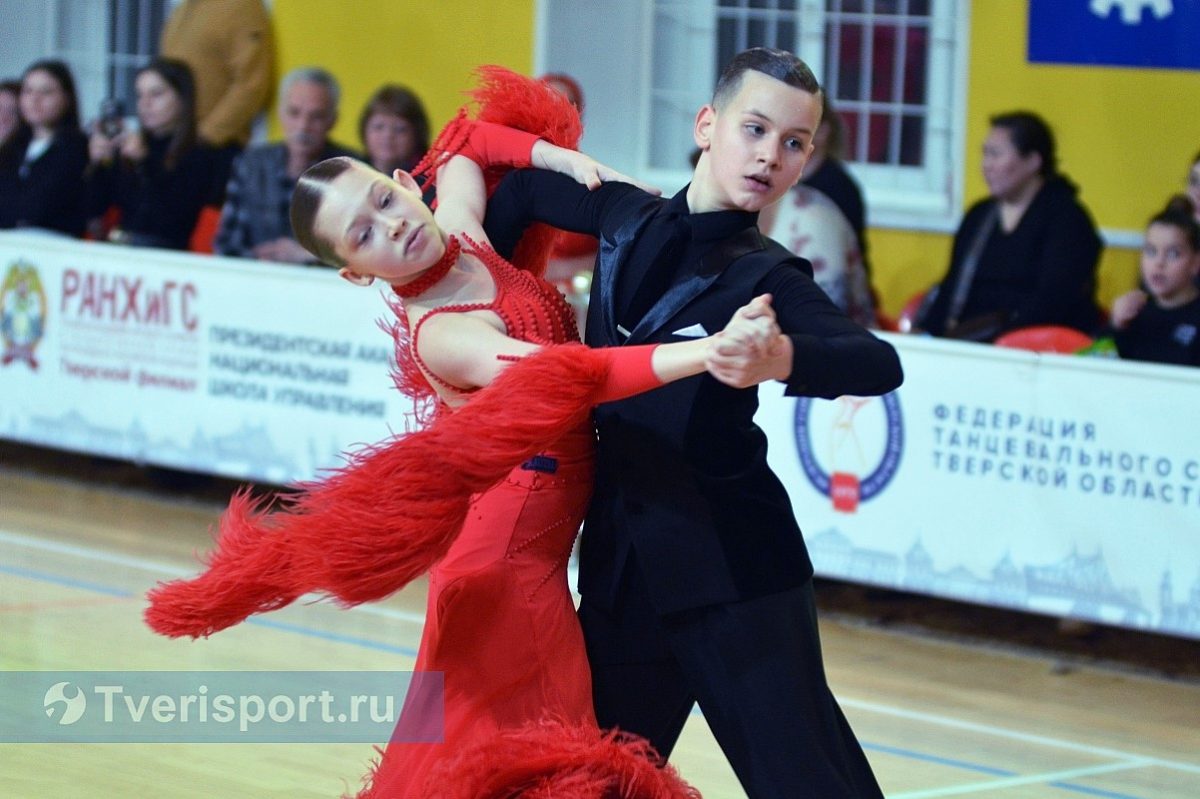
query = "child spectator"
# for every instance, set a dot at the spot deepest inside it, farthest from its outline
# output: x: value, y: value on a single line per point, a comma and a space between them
x: 1163, y: 325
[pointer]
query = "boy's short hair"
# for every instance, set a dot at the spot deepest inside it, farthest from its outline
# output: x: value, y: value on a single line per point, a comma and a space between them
x: 778, y: 64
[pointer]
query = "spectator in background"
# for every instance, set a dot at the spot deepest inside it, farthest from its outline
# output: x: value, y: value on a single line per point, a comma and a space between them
x: 1026, y: 255
x: 254, y: 219
x: 41, y: 167
x: 10, y: 112
x: 229, y: 46
x: 822, y: 220
x: 1162, y: 323
x: 160, y: 177
x: 394, y: 129
x: 812, y: 226
x: 827, y: 173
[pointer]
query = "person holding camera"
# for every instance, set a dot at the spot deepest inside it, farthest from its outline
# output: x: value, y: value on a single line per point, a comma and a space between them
x: 41, y: 165
x: 157, y: 174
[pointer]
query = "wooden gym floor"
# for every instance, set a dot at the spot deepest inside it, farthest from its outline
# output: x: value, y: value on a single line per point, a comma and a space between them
x: 943, y: 708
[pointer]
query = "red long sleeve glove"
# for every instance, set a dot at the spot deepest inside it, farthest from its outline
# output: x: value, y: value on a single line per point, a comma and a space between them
x: 491, y: 145
x: 630, y: 372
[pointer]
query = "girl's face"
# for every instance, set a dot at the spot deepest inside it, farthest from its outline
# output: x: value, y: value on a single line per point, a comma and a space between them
x: 378, y: 226
x: 1193, y: 187
x: 158, y: 105
x: 9, y: 115
x: 1169, y: 265
x: 1006, y: 171
x: 389, y: 140
x: 43, y: 100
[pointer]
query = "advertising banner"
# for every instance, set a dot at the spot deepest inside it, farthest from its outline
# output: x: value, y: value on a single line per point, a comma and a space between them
x: 233, y: 367
x: 1060, y: 485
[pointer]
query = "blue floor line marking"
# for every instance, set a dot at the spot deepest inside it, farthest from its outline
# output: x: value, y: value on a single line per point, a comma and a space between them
x: 1070, y: 786
x: 366, y: 643
x: 68, y: 582
x: 403, y: 650
x: 939, y: 760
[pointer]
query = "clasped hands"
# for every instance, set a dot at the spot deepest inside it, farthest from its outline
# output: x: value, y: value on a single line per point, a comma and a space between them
x: 751, y: 349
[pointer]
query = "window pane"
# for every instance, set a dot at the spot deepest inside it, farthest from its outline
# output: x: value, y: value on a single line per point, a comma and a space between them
x: 727, y: 44
x: 918, y: 8
x: 916, y: 63
x: 851, y: 125
x: 849, y: 66
x: 877, y: 144
x: 912, y: 140
x: 883, y: 61
x: 788, y: 34
x: 756, y: 33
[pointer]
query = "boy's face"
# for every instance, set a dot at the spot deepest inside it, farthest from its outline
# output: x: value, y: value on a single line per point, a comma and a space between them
x: 755, y: 146
x: 378, y: 226
x: 1169, y: 264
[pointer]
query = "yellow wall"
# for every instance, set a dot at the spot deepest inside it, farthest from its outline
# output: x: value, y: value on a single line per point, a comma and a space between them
x: 430, y: 47
x: 1125, y: 135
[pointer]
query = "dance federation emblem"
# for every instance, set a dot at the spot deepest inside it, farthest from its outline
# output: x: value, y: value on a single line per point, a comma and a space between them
x: 850, y: 448
x: 22, y: 314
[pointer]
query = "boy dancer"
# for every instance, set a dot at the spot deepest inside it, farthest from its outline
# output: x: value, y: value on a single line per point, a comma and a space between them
x: 696, y: 582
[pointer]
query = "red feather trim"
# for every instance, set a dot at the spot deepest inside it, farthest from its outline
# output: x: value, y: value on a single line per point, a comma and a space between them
x: 553, y: 759
x: 372, y: 526
x: 516, y: 101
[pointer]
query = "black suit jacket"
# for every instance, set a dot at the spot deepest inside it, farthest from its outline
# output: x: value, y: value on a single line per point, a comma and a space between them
x: 682, y: 477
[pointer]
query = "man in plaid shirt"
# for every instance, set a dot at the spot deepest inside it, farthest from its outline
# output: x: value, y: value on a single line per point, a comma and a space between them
x: 254, y: 219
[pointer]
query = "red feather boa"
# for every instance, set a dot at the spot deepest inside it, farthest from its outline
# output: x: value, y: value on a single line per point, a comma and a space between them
x: 552, y: 759
x: 389, y: 514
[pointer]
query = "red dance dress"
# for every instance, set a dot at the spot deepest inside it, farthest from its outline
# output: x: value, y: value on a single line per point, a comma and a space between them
x: 500, y: 624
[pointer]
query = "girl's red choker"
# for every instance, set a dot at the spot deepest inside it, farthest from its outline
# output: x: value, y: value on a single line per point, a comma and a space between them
x: 433, y: 274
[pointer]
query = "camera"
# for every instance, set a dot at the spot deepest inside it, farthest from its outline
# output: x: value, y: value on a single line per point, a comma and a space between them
x: 112, y: 117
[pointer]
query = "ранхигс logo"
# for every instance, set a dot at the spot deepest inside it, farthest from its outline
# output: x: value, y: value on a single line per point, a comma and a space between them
x: 72, y: 706
x: 850, y: 448
x: 22, y: 314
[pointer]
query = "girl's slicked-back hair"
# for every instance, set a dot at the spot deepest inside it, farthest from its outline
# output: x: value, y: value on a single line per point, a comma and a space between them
x: 306, y: 202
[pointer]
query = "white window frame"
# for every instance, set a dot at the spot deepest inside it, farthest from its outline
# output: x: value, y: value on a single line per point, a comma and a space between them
x: 626, y: 130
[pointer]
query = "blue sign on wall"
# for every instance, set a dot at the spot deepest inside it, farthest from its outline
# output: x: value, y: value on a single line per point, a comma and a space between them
x: 1133, y: 33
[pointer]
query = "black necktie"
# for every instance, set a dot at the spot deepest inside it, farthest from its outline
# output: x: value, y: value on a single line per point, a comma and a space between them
x: 660, y: 270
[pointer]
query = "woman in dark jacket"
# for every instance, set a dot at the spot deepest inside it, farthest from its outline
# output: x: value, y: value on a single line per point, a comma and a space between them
x: 160, y: 176
x: 41, y: 167
x: 1026, y: 255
